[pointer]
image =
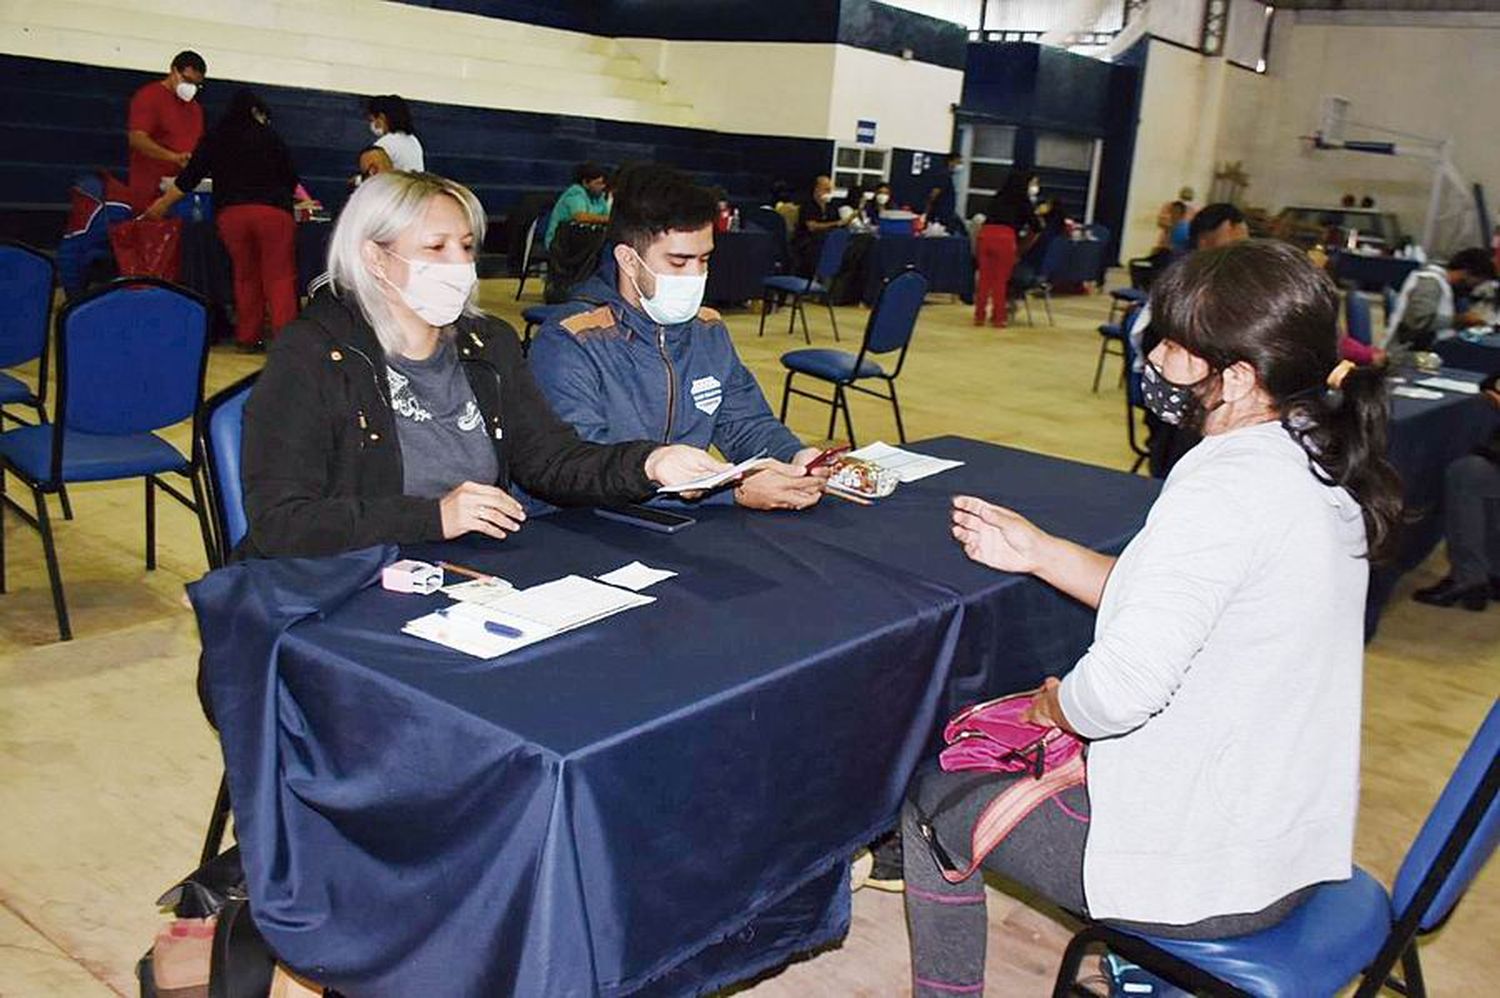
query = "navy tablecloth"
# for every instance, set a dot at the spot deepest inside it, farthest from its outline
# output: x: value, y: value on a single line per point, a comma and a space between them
x: 1426, y: 436
x: 740, y: 262
x: 1481, y: 355
x: 946, y: 262
x: 663, y: 802
x: 1370, y: 273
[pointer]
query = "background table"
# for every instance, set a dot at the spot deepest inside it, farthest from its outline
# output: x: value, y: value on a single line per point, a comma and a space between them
x: 208, y: 270
x: 740, y: 262
x: 946, y: 262
x: 663, y: 802
x: 1481, y: 355
x: 1370, y: 273
x: 1426, y: 436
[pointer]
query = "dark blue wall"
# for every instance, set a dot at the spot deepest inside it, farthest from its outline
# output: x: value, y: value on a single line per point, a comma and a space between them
x: 1039, y: 88
x: 62, y: 119
x: 863, y: 24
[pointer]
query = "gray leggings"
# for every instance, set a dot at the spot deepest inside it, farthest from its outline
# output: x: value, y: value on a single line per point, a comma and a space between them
x: 1043, y: 854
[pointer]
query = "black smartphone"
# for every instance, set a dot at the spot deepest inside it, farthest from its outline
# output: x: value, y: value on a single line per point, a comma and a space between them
x: 661, y: 520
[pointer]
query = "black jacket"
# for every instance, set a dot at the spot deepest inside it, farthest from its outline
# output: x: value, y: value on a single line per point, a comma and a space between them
x: 321, y: 461
x: 248, y: 163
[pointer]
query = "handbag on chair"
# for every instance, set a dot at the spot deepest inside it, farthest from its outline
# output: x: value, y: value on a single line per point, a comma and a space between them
x: 994, y: 737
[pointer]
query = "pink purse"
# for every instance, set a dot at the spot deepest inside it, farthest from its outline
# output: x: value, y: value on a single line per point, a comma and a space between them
x: 992, y: 737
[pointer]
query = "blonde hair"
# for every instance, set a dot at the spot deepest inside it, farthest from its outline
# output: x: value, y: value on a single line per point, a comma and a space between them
x: 379, y: 210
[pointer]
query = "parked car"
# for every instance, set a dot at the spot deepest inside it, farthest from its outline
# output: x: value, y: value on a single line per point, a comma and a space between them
x: 1308, y: 225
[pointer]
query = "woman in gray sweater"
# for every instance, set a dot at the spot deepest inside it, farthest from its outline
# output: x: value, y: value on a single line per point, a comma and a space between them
x: 1221, y: 696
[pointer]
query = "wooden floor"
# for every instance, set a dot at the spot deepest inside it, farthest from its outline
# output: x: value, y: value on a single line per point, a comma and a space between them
x: 107, y: 768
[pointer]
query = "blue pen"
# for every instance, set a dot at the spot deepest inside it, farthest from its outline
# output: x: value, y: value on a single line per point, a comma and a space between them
x: 503, y: 630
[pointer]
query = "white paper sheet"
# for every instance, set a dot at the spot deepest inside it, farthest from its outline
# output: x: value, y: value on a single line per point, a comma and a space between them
x: 908, y: 465
x: 485, y: 592
x: 636, y: 576
x: 709, y: 482
x: 1450, y: 385
x: 1407, y: 391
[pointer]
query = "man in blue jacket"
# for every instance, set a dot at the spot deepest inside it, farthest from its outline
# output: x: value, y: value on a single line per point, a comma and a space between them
x: 636, y: 356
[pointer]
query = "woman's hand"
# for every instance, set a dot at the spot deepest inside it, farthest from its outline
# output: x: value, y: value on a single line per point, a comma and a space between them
x: 158, y: 209
x: 995, y: 536
x: 482, y: 509
x: 1046, y: 707
x: 677, y: 464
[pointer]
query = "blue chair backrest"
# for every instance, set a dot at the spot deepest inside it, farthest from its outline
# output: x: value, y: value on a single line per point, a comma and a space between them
x: 894, y: 317
x: 1467, y: 779
x: 1388, y: 298
x: 1357, y: 316
x: 25, y: 303
x: 223, y: 434
x: 1054, y: 258
x: 131, y: 358
x: 831, y: 256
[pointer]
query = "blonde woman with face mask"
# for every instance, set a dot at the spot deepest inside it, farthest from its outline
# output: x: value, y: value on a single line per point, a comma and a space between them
x: 395, y: 411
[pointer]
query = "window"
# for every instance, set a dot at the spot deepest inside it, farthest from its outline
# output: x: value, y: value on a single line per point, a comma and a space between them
x: 990, y: 152
x: 859, y: 166
x: 1057, y: 151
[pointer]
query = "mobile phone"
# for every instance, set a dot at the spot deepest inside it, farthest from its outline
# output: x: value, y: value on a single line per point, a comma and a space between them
x: 649, y: 517
x: 828, y: 457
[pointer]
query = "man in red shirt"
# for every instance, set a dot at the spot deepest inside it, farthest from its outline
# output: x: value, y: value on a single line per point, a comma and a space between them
x: 165, y: 124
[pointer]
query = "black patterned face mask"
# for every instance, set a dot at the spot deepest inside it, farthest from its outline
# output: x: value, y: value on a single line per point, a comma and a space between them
x: 1169, y: 401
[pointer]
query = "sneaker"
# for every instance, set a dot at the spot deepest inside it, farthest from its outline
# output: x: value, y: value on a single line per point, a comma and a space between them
x: 1447, y: 593
x: 887, y: 872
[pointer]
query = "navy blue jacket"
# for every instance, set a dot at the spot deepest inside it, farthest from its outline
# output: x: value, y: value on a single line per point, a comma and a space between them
x: 616, y: 375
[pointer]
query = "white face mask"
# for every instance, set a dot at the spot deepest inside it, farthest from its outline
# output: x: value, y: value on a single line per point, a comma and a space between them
x: 882, y: 199
x: 437, y: 292
x: 677, y: 298
x: 376, y: 130
x: 1033, y: 192
x: 185, y: 91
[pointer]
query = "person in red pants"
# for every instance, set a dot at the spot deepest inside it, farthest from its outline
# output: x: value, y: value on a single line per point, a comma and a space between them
x: 1009, y: 218
x: 253, y: 184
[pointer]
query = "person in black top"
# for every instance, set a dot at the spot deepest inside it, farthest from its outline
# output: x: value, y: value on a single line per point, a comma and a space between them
x: 394, y: 411
x: 815, y: 216
x: 1007, y: 219
x: 1471, y: 487
x: 253, y: 184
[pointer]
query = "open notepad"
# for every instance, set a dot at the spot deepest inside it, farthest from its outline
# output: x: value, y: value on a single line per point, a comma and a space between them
x: 524, y: 617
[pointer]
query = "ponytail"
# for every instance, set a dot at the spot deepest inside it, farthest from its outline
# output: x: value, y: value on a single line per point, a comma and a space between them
x: 1344, y: 427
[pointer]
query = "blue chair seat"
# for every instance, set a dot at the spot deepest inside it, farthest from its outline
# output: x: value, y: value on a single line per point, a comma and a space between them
x: 1132, y: 296
x: 830, y: 365
x: 1112, y: 331
x: 1322, y: 946
x: 13, y: 390
x: 89, y: 457
x: 793, y: 285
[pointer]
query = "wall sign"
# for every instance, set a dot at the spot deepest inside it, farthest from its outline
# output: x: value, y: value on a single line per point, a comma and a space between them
x: 864, y: 132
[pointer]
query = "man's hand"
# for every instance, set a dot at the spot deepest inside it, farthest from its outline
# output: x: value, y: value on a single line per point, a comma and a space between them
x: 677, y: 464
x: 780, y: 486
x: 805, y: 456
x: 995, y: 536
x: 181, y: 158
x: 1046, y: 707
x: 479, y: 508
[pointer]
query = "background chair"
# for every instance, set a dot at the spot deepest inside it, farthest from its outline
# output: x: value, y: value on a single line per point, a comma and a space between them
x: 1112, y: 334
x: 535, y: 316
x: 1357, y: 317
x: 1041, y: 282
x: 769, y: 220
x: 131, y: 358
x: 818, y: 286
x: 27, y: 280
x: 533, y: 256
x: 1347, y: 929
x: 889, y: 329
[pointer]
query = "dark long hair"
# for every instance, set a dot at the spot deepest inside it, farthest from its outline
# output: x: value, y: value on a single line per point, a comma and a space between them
x: 1011, y: 204
x: 239, y: 114
x: 397, y: 112
x: 1262, y: 302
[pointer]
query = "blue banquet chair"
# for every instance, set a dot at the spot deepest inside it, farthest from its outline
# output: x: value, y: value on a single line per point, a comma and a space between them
x: 819, y: 286
x: 130, y: 361
x: 1357, y: 317
x: 1346, y: 929
x: 888, y: 330
x: 27, y: 281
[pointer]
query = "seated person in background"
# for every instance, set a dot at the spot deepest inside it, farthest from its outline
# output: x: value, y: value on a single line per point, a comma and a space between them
x: 1471, y: 488
x: 394, y: 411
x: 942, y: 200
x: 1424, y: 311
x: 165, y: 124
x: 1201, y: 816
x: 1214, y: 226
x: 1168, y: 220
x: 638, y: 357
x: 815, y: 216
x: 373, y: 161
x: 391, y: 124
x: 880, y: 202
x: 583, y: 202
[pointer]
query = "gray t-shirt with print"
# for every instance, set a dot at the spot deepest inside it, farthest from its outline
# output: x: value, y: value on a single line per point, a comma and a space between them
x: 444, y: 441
